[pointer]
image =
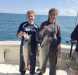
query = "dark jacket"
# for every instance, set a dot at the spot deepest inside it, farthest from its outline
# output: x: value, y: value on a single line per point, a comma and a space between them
x: 30, y: 29
x: 74, y: 34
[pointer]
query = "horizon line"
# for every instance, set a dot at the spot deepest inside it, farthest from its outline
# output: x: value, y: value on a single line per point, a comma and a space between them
x: 24, y: 13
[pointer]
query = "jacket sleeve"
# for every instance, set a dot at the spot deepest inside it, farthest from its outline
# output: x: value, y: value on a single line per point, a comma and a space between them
x: 74, y: 35
x: 21, y: 28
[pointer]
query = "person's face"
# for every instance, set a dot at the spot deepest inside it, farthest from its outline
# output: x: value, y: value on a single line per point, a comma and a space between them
x: 52, y: 17
x: 31, y: 17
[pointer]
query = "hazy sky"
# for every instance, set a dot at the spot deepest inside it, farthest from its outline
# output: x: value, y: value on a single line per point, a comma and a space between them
x: 65, y: 7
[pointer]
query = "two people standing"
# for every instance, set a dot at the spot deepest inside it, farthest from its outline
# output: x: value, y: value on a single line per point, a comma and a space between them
x: 48, y: 29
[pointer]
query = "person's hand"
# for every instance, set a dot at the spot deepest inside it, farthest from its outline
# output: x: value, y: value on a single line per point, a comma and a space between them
x: 20, y: 34
x: 24, y: 34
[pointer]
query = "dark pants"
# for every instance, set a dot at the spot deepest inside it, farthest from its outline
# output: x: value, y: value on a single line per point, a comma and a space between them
x: 33, y: 59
